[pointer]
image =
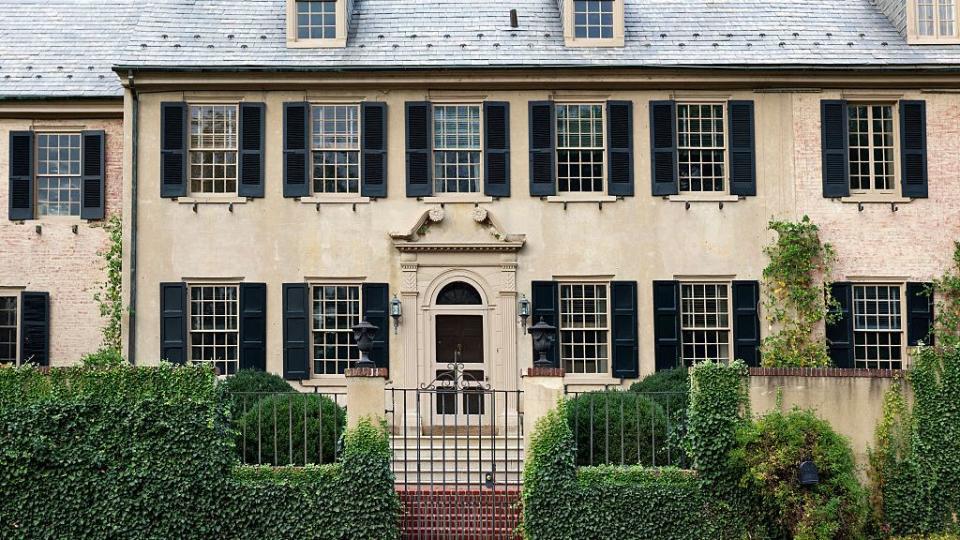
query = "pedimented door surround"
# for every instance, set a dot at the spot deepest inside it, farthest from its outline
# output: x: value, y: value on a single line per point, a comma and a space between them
x: 446, y: 245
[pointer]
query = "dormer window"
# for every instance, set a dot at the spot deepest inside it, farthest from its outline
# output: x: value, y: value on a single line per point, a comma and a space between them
x: 317, y: 23
x: 592, y: 23
x: 933, y: 22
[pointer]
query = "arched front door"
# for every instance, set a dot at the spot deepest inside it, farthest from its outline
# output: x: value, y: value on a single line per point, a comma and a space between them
x: 459, y: 353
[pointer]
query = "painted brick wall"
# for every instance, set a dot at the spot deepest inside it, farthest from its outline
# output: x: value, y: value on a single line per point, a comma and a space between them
x: 57, y: 261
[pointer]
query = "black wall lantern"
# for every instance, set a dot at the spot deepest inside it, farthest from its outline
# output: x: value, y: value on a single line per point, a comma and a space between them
x: 809, y: 475
x: 523, y: 309
x: 363, y: 334
x: 543, y: 337
x: 396, y: 311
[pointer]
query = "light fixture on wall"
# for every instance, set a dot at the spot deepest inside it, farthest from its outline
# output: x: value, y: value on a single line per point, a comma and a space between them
x: 523, y: 309
x: 396, y: 311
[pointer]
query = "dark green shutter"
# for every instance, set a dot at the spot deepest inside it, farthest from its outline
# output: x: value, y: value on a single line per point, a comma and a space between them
x: 840, y: 332
x: 296, y: 141
x: 376, y: 309
x: 626, y: 351
x: 496, y: 149
x: 663, y: 148
x: 835, y: 149
x: 20, y: 192
x: 173, y: 149
x: 252, y: 146
x: 546, y: 308
x: 620, y: 148
x: 746, y: 322
x: 419, y: 120
x: 666, y: 324
x: 92, y: 182
x: 35, y: 328
x: 373, y: 149
x: 173, y: 322
x: 743, y: 158
x: 296, y: 331
x: 253, y: 326
x: 920, y: 316
x: 913, y: 148
x: 543, y: 151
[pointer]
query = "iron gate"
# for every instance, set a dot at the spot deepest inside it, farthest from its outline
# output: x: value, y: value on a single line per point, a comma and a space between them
x: 458, y: 456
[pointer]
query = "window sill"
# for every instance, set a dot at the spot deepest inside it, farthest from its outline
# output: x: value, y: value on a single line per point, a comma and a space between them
x: 875, y: 199
x: 594, y: 199
x: 212, y: 200
x: 327, y: 381
x: 352, y: 199
x: 581, y: 379
x: 470, y: 198
x: 703, y: 198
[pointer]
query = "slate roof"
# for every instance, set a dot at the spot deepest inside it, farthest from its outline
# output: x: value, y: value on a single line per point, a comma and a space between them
x: 62, y: 48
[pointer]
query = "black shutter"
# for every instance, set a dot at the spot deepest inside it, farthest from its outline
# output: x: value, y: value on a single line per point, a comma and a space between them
x: 920, y: 316
x: 35, y: 328
x: 913, y: 148
x: 92, y: 183
x: 496, y: 149
x: 546, y: 308
x: 376, y: 309
x: 840, y: 332
x: 373, y: 149
x: 21, y: 175
x: 835, y: 149
x: 666, y: 324
x: 743, y: 159
x: 296, y: 331
x: 419, y: 119
x: 543, y: 149
x: 252, y: 139
x: 626, y: 352
x: 296, y: 138
x: 620, y: 148
x: 253, y: 326
x: 173, y: 322
x: 663, y: 147
x: 746, y: 322
x: 173, y: 149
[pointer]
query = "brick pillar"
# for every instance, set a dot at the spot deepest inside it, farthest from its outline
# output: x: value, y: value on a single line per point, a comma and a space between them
x: 542, y: 389
x: 365, y: 395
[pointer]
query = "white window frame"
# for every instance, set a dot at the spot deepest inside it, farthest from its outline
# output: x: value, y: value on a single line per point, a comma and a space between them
x: 293, y: 29
x: 687, y: 194
x: 190, y: 150
x: 190, y: 331
x: 312, y: 285
x: 904, y: 357
x: 348, y: 195
x: 895, y: 120
x: 570, y: 34
x: 608, y: 329
x: 434, y: 149
x: 728, y: 328
x: 37, y: 176
x: 913, y: 25
x: 603, y: 151
x: 16, y: 323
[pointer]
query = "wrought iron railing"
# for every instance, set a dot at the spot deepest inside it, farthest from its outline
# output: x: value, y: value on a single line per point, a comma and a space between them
x: 289, y: 428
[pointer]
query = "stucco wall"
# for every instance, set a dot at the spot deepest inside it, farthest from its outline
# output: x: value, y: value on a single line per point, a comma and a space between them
x: 57, y: 261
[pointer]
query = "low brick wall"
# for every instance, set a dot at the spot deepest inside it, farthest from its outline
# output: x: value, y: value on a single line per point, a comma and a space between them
x: 850, y: 399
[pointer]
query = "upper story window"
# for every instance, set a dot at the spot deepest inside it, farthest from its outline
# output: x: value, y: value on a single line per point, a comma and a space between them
x: 336, y: 148
x: 457, y: 148
x: 316, y: 19
x: 58, y: 174
x: 213, y: 149
x: 215, y: 326
x: 872, y: 168
x: 701, y: 147
x: 705, y: 322
x: 593, y: 19
x: 584, y: 328
x: 8, y: 329
x: 936, y: 18
x: 878, y: 326
x: 580, y: 147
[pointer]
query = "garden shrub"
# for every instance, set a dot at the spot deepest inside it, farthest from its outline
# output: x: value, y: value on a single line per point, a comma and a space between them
x: 247, y: 386
x: 103, y: 358
x: 771, y: 450
x: 670, y: 388
x: 619, y: 427
x: 283, y: 429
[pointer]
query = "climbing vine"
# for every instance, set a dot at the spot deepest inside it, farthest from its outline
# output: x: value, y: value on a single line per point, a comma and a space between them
x: 947, y: 312
x: 110, y: 295
x: 795, y: 285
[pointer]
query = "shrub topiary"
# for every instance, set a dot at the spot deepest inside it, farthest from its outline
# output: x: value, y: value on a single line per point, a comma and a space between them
x: 248, y: 386
x: 290, y: 429
x: 670, y: 388
x: 618, y: 427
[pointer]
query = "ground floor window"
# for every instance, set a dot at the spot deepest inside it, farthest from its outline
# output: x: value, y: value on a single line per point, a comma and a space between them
x: 705, y: 322
x: 214, y: 326
x: 584, y: 327
x: 336, y: 310
x: 877, y: 326
x: 8, y: 329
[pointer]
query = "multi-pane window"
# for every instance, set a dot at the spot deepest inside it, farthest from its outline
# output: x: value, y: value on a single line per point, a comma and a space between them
x: 871, y: 148
x: 705, y: 322
x: 936, y: 18
x: 584, y: 327
x: 701, y: 147
x: 316, y: 19
x: 456, y: 148
x: 213, y: 149
x: 580, y: 152
x: 58, y: 174
x: 877, y: 326
x: 215, y: 326
x: 8, y: 329
x: 593, y: 18
x: 336, y: 310
x: 336, y: 148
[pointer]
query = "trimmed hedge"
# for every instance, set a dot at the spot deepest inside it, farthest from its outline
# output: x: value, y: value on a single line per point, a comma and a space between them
x: 619, y: 428
x: 249, y: 385
x: 290, y: 429
x: 144, y: 453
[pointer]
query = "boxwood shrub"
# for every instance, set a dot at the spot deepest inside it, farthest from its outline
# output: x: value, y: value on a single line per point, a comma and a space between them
x: 290, y: 429
x: 617, y: 427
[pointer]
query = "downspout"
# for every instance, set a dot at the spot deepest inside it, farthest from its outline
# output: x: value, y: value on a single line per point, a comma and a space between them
x: 134, y: 152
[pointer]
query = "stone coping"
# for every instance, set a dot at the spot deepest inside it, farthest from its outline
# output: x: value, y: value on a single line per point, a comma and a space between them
x: 545, y: 372
x: 826, y: 372
x: 367, y: 372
